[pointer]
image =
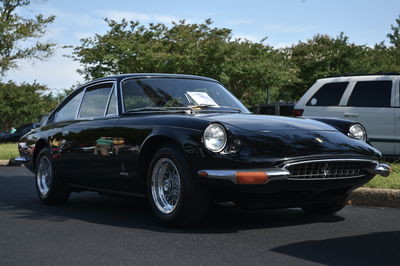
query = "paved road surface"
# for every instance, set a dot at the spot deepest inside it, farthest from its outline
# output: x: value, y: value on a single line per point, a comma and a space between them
x: 97, y: 230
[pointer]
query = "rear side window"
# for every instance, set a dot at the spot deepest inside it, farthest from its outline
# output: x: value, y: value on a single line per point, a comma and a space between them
x: 112, y: 105
x: 95, y: 101
x: 371, y: 94
x: 328, y: 95
x: 68, y: 111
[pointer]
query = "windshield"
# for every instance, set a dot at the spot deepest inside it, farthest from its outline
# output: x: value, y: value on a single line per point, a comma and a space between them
x: 174, y: 93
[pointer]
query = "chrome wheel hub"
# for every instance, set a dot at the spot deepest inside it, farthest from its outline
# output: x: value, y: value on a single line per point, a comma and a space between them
x: 43, y: 175
x: 165, y: 185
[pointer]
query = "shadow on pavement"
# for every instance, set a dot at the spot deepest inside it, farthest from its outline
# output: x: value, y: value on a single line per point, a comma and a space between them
x: 19, y: 199
x: 372, y: 249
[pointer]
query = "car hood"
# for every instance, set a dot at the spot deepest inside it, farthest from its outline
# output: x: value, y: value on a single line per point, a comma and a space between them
x: 265, y: 123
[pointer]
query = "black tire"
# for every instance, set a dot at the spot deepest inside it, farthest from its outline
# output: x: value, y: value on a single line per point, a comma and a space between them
x: 193, y: 201
x: 50, y: 190
x: 326, y: 207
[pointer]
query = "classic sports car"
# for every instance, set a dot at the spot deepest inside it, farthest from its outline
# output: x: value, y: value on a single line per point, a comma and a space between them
x: 185, y: 142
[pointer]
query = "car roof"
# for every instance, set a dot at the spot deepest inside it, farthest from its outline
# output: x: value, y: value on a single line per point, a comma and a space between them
x: 359, y: 77
x: 151, y: 75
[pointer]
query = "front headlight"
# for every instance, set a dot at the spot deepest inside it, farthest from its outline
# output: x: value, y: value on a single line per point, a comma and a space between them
x: 214, y: 137
x: 357, y: 131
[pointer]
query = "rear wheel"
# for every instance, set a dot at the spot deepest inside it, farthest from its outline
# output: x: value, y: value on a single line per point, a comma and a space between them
x: 49, y: 187
x: 325, y: 207
x: 174, y: 195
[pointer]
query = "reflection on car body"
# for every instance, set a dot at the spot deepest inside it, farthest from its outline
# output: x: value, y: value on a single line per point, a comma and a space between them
x: 186, y: 141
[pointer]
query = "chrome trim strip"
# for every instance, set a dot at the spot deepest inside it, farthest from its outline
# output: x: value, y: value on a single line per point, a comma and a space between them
x: 324, y: 179
x: 329, y: 160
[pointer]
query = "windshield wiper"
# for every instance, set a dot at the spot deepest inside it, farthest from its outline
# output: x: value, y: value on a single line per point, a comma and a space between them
x: 205, y: 106
x: 192, y: 108
x: 161, y: 109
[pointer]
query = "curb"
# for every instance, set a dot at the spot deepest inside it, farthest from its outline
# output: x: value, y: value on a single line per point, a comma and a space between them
x: 375, y: 197
x: 4, y: 162
x: 11, y: 162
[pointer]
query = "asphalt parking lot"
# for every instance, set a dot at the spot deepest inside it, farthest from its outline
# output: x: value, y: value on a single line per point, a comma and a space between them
x: 97, y: 230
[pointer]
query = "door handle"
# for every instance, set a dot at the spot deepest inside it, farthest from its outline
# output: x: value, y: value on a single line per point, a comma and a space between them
x: 350, y: 115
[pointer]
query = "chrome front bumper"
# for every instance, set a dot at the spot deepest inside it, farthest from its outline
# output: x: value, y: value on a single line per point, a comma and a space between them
x: 263, y: 176
x: 381, y: 169
x: 246, y: 176
x: 21, y: 159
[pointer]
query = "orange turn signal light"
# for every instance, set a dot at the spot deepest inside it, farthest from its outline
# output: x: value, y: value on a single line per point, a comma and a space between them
x: 251, y: 177
x: 203, y: 174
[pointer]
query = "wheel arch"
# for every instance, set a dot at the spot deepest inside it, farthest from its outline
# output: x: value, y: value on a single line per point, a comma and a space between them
x: 151, y: 145
x: 40, y: 145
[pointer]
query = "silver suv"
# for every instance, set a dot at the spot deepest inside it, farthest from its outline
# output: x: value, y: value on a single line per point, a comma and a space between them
x: 372, y: 100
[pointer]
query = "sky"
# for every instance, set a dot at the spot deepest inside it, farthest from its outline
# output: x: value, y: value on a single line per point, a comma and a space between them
x: 283, y: 22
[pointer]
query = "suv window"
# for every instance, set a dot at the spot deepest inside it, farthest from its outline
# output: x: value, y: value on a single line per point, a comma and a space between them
x: 68, y: 111
x: 371, y: 94
x: 95, y: 101
x: 329, y: 94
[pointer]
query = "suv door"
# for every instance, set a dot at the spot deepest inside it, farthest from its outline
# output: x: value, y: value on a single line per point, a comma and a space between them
x: 371, y: 103
x: 397, y: 117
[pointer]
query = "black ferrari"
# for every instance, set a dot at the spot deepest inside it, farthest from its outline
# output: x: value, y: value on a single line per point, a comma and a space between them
x: 185, y: 142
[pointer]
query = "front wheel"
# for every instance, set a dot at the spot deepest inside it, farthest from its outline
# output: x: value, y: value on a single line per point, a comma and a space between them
x: 174, y: 195
x: 325, y: 207
x: 49, y: 187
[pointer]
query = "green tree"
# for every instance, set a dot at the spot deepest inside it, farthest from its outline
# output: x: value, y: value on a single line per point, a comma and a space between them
x: 323, y: 56
x: 394, y: 37
x: 22, y: 104
x: 16, y: 30
x: 247, y: 68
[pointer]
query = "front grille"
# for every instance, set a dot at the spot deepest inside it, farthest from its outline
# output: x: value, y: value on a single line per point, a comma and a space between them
x: 328, y: 169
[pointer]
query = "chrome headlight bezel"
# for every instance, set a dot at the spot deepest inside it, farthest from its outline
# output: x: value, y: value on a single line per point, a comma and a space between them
x: 357, y: 131
x: 215, y: 137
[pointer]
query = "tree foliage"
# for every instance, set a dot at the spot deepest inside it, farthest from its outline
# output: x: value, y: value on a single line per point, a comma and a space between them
x: 247, y: 68
x: 24, y: 103
x: 394, y: 37
x: 16, y: 30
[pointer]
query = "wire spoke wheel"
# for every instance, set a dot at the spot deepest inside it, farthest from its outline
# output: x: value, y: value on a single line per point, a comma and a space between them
x: 165, y: 185
x: 44, y: 175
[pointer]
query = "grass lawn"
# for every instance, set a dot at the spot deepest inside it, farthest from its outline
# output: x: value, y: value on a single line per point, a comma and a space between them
x: 8, y: 151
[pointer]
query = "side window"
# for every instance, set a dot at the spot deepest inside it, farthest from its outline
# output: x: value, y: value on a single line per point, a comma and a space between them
x: 68, y: 111
x: 95, y: 101
x: 112, y: 105
x: 371, y: 94
x: 328, y: 95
